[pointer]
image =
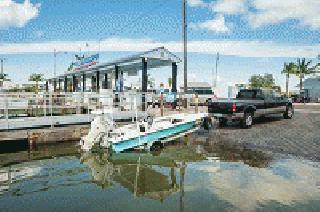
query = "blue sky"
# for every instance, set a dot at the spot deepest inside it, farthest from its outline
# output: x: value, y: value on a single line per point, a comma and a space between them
x: 252, y: 36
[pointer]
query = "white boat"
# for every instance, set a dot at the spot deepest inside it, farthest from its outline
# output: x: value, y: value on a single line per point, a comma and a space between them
x: 143, y: 133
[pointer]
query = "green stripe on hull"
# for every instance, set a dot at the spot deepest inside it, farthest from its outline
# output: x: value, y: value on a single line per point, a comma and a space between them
x: 152, y: 137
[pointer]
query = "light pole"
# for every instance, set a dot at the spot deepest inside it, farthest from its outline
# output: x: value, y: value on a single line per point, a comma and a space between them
x: 2, y: 75
x: 216, y: 77
x: 185, y: 53
x: 55, y: 53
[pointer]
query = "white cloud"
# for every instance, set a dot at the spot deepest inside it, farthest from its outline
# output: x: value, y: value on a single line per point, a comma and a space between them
x: 14, y: 14
x: 307, y: 12
x: 216, y: 25
x: 258, y: 49
x: 266, y: 185
x: 196, y: 3
x: 229, y: 7
x: 266, y: 12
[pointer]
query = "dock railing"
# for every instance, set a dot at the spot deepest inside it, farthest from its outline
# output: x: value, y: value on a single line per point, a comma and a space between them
x: 24, y: 110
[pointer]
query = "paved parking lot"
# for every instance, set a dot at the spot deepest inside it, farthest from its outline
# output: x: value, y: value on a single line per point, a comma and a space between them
x: 299, y: 136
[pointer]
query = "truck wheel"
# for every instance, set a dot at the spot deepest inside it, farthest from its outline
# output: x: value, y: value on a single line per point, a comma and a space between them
x: 222, y: 122
x: 289, y: 113
x: 246, y: 121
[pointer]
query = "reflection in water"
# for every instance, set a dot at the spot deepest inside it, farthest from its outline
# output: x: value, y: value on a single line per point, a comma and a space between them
x: 287, y: 182
x: 145, y: 175
x: 190, y: 175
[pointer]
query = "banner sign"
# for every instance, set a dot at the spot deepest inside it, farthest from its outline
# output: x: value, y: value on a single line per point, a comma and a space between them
x: 84, y: 62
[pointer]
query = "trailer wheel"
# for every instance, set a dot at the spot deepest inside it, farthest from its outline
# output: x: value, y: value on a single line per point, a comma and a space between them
x: 289, y: 113
x: 222, y: 122
x: 247, y: 120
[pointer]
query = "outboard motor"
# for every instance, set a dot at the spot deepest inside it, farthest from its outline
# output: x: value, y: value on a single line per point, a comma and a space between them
x: 207, y: 123
x: 149, y: 121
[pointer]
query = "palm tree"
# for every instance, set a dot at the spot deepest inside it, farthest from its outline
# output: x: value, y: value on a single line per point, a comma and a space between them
x: 3, y: 77
x: 289, y: 69
x: 36, y: 78
x: 170, y: 82
x: 305, y: 68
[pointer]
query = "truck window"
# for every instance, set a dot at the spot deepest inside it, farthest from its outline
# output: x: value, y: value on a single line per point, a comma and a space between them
x: 247, y: 94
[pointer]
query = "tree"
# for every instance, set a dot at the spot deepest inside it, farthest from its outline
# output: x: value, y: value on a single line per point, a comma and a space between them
x: 36, y: 78
x: 3, y: 77
x: 289, y: 69
x: 262, y: 81
x: 305, y: 68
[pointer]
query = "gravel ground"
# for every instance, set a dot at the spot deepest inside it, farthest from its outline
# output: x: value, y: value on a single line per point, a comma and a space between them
x: 299, y: 136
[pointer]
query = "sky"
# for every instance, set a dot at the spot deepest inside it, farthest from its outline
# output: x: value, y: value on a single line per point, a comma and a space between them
x: 252, y: 36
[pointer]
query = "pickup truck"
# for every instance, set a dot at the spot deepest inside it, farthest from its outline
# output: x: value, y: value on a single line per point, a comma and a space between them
x: 249, y: 104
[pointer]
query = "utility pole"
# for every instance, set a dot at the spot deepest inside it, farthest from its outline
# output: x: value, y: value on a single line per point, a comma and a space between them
x: 185, y: 60
x: 55, y: 63
x: 216, y: 77
x: 2, y: 76
x: 55, y: 53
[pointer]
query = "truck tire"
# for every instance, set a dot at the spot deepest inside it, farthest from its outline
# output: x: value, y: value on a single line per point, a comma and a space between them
x: 289, y: 113
x: 222, y: 122
x: 247, y: 120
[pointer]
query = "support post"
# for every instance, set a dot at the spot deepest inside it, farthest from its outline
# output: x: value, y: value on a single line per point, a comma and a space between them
x: 98, y: 81
x: 116, y: 81
x: 92, y: 83
x: 144, y: 82
x: 65, y: 84
x: 121, y: 81
x: 47, y: 86
x: 55, y: 85
x: 105, y: 84
x: 116, y: 76
x: 83, y: 82
x: 174, y: 78
x: 59, y: 85
x: 74, y: 83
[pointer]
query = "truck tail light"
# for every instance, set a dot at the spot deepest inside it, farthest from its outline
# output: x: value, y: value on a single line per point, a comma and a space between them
x: 234, y: 107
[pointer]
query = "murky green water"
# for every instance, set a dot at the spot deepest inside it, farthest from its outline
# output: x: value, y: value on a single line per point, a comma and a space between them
x: 189, y: 176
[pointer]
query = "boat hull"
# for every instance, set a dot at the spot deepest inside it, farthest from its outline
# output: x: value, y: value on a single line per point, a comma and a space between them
x: 149, y: 139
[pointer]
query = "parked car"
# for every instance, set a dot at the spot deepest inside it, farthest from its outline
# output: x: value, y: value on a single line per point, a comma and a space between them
x: 249, y: 104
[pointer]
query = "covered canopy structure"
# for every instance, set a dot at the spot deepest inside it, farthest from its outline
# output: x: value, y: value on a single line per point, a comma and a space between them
x: 101, y: 74
x: 155, y: 58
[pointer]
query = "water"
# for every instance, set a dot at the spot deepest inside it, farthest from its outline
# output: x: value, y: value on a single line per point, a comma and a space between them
x: 186, y: 176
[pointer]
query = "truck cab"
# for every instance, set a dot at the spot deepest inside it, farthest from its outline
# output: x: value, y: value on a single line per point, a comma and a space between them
x: 249, y: 104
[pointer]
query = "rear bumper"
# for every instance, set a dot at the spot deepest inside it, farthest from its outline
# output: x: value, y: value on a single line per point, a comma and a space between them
x: 232, y: 116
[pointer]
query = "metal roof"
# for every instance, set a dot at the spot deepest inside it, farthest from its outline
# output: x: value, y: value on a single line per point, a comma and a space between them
x: 198, y: 85
x: 156, y: 58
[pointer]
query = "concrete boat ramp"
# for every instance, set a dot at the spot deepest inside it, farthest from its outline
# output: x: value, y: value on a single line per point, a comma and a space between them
x: 53, y: 129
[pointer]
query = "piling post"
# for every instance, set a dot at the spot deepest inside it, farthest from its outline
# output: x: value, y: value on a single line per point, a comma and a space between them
x: 51, y: 109
x: 196, y: 101
x: 44, y: 104
x: 161, y: 104
x: 7, y: 110
x: 180, y: 102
